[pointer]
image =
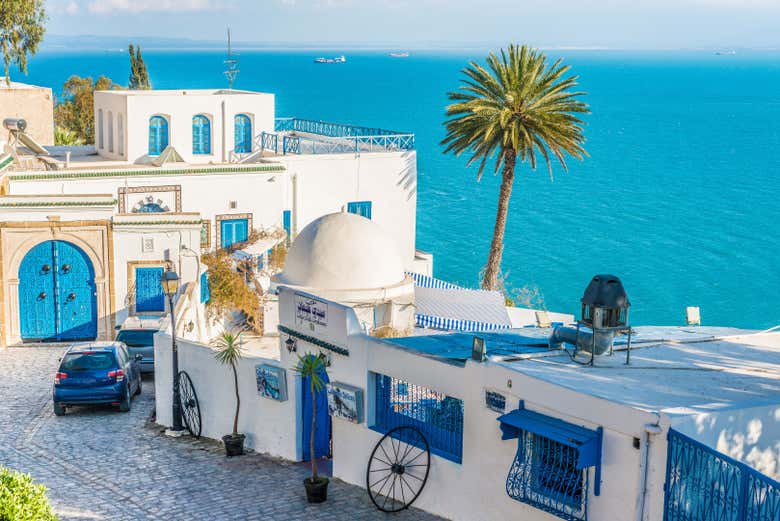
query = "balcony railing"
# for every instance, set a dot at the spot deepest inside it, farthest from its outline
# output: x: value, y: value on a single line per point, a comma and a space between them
x: 305, y: 136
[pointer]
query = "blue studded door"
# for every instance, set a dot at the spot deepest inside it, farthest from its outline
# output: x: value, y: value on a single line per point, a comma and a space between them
x: 57, y: 294
x: 149, y: 295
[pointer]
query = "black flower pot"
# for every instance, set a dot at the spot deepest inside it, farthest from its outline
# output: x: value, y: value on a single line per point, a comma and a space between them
x: 234, y: 444
x: 316, y: 491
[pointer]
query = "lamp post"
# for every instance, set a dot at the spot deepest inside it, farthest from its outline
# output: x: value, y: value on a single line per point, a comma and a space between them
x: 170, y: 284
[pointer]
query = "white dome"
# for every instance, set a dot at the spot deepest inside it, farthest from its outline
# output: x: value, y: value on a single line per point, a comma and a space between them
x: 342, y: 251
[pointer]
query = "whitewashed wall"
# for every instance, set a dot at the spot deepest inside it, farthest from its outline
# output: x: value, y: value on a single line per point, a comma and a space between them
x: 474, y: 489
x: 179, y: 107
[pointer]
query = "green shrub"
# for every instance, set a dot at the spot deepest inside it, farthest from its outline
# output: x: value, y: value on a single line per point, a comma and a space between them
x: 21, y: 499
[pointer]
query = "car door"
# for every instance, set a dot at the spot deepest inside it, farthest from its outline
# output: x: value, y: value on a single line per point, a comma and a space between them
x: 130, y: 367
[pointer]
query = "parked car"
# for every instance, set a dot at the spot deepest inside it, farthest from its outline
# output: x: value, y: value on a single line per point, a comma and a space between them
x: 97, y: 373
x: 139, y: 342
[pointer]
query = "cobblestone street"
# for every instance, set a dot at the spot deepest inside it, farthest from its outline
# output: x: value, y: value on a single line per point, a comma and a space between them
x: 102, y: 464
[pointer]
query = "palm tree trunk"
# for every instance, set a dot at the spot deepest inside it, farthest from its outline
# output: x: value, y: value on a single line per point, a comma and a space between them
x: 490, y: 279
x: 313, y: 431
x: 238, y: 398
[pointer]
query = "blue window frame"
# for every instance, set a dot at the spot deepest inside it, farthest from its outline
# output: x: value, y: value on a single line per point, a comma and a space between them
x: 437, y: 416
x: 243, y: 134
x: 360, y: 208
x: 287, y: 222
x: 233, y: 231
x: 201, y: 135
x: 158, y: 135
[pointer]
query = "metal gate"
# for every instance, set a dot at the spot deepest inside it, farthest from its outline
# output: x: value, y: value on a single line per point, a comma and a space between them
x: 57, y: 294
x: 703, y: 484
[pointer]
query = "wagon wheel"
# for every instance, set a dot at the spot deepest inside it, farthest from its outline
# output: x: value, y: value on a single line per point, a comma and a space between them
x: 398, y: 469
x: 190, y: 408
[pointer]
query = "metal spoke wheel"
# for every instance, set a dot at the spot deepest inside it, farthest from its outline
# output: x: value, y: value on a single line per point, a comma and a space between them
x: 398, y: 469
x: 190, y: 408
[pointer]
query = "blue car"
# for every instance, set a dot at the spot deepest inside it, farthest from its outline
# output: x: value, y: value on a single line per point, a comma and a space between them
x: 97, y: 373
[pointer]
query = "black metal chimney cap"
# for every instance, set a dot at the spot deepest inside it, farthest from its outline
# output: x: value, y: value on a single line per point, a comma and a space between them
x: 605, y: 291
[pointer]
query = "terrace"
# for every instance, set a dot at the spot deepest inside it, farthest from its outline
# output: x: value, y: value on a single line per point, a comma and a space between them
x: 307, y: 136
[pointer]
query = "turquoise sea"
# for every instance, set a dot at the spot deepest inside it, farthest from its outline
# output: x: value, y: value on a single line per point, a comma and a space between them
x: 679, y: 196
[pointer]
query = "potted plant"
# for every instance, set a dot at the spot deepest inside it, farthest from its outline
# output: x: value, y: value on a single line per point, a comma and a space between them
x: 312, y: 367
x: 228, y: 346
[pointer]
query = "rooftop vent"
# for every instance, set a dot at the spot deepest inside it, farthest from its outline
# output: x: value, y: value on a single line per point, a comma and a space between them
x: 604, y: 312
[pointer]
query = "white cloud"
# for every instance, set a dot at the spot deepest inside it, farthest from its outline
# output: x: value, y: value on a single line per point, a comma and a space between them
x: 145, y: 6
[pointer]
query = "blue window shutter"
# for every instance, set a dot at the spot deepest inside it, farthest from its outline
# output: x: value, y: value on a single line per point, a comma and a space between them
x: 233, y: 231
x: 243, y: 134
x: 362, y: 208
x: 205, y: 292
x: 201, y: 135
x: 287, y: 222
x: 158, y: 135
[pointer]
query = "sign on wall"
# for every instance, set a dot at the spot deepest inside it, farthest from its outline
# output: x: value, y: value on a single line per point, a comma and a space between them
x: 495, y: 401
x: 345, y: 402
x: 310, y: 313
x: 271, y: 382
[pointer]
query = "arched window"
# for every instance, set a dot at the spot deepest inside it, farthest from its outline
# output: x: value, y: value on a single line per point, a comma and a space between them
x: 243, y: 134
x: 158, y: 135
x: 201, y: 135
x: 100, y: 128
x: 110, y: 131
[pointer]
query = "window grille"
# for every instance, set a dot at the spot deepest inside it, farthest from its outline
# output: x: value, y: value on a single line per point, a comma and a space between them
x: 205, y: 291
x: 362, y: 208
x: 544, y: 475
x: 437, y: 416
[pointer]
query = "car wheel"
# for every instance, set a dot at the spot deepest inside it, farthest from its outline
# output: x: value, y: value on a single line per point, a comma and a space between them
x: 59, y: 410
x: 138, y: 389
x: 125, y: 405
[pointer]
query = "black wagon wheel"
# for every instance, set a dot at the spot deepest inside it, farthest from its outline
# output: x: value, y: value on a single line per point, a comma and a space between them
x: 190, y: 408
x: 398, y: 469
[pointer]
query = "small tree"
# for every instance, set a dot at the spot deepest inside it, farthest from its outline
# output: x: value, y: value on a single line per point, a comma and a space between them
x: 76, y: 111
x: 21, y: 31
x: 229, y: 352
x: 21, y: 499
x: 312, y: 367
x: 139, y: 76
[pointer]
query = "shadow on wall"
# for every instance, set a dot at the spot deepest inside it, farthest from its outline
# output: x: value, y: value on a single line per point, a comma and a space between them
x: 408, y: 174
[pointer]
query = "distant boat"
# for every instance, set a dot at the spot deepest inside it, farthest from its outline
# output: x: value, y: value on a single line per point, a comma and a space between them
x: 337, y: 59
x: 725, y: 53
x: 399, y: 54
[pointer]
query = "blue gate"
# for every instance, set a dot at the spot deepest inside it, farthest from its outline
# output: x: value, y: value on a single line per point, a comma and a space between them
x: 57, y: 294
x: 149, y: 295
x: 703, y: 484
x: 322, y: 436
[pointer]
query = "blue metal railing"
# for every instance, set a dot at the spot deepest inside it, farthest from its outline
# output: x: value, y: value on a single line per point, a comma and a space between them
x: 438, y: 417
x: 703, y: 484
x: 306, y: 136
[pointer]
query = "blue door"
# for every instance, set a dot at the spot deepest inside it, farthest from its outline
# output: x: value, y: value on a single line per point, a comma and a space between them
x: 233, y: 231
x: 322, y: 436
x: 57, y: 294
x: 149, y: 295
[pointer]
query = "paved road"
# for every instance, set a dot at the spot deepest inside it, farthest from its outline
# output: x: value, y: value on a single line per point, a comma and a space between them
x: 101, y: 464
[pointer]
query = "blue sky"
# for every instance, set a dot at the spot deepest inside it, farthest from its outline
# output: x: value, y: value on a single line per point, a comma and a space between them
x: 551, y: 23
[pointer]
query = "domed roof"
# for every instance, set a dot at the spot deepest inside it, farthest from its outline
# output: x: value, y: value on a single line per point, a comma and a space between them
x: 342, y: 251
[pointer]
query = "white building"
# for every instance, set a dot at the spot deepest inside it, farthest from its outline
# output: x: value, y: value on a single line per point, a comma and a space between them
x: 173, y: 174
x: 685, y: 426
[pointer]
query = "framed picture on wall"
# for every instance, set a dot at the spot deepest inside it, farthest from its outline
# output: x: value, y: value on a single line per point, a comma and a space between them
x: 271, y: 382
x: 345, y: 402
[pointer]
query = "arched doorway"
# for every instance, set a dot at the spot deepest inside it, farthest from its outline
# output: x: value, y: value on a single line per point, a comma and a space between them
x: 322, y: 436
x: 57, y: 294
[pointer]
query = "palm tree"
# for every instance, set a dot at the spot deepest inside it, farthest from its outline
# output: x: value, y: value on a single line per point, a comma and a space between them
x: 521, y: 106
x: 229, y: 352
x: 312, y: 367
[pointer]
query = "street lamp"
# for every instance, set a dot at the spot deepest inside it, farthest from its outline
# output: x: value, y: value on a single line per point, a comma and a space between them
x: 170, y: 284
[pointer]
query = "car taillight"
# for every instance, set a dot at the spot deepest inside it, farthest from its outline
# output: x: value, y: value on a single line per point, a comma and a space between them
x: 119, y: 374
x: 60, y: 376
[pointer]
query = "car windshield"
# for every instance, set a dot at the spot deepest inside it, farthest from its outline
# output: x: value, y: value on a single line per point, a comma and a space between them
x: 136, y: 338
x: 88, y: 361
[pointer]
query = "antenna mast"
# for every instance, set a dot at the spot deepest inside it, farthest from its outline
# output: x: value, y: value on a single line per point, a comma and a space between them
x: 232, y: 64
